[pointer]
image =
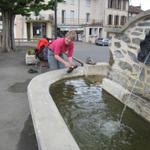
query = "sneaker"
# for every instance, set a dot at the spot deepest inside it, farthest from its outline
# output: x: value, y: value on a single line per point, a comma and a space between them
x: 32, y: 71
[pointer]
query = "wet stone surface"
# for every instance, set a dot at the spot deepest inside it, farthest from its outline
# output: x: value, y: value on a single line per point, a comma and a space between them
x: 133, y: 56
x: 139, y: 29
x: 136, y: 41
x: 19, y: 87
x: 125, y: 66
x: 136, y: 33
x: 118, y: 54
x: 117, y: 44
x: 144, y: 24
x: 27, y: 139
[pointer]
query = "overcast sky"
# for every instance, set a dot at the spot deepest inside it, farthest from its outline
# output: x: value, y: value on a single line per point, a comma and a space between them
x: 145, y: 4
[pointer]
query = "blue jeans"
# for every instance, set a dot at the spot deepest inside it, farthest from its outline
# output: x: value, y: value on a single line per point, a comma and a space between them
x: 53, y: 63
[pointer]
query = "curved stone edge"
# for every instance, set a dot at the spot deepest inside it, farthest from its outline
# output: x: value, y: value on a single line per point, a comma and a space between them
x: 51, y: 131
x: 136, y: 103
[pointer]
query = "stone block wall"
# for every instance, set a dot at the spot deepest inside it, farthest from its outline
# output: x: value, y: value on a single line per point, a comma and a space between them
x: 126, y: 69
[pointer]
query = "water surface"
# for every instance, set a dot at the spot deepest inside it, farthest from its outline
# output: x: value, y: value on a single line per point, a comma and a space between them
x: 92, y: 116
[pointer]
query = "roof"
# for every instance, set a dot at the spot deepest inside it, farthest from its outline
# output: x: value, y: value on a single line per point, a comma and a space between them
x: 135, y: 9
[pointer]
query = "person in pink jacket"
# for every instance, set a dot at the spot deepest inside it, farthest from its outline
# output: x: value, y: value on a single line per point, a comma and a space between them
x: 59, y: 47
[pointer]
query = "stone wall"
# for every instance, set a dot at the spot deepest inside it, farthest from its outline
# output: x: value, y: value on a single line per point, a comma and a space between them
x: 126, y: 69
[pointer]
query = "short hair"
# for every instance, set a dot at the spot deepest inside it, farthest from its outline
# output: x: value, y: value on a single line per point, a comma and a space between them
x: 71, y: 35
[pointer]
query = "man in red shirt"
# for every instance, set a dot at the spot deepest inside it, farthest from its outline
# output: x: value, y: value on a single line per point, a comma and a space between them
x: 57, y: 48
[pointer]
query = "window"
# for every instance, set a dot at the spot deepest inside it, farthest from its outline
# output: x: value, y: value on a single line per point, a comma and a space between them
x: 63, y: 16
x: 90, y: 31
x: 72, y: 16
x: 119, y: 4
x: 93, y: 31
x: 109, y: 3
x: 124, y: 4
x: 87, y: 17
x: 114, y: 4
x: 39, y: 29
x: 116, y: 20
x: 123, y: 20
x: 110, y: 19
x: 88, y: 3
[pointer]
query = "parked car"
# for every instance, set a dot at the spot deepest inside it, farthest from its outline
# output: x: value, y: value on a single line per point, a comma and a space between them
x: 102, y: 41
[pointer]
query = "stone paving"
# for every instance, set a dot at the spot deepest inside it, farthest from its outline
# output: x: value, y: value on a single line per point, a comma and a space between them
x: 16, y: 129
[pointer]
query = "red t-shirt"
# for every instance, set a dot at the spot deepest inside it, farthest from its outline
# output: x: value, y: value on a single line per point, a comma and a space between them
x: 41, y: 42
x: 58, y: 46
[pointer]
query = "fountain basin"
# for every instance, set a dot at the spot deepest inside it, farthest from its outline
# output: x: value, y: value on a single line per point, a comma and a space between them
x: 93, y: 116
x: 50, y: 129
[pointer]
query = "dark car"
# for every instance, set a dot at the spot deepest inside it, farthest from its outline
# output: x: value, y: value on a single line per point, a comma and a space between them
x: 102, y: 41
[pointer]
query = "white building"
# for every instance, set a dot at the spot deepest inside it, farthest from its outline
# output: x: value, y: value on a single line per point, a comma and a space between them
x: 90, y: 18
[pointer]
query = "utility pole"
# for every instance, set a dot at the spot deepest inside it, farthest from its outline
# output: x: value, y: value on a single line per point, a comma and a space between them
x: 128, y: 8
x: 78, y: 12
x: 55, y: 19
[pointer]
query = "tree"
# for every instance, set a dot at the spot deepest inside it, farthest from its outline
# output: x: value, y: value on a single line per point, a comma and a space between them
x: 11, y: 8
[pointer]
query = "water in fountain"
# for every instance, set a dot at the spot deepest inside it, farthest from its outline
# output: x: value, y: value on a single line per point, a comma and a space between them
x: 92, y: 116
x: 130, y: 94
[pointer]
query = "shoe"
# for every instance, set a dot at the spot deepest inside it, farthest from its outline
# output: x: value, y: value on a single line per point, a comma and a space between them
x: 32, y: 71
x: 71, y: 69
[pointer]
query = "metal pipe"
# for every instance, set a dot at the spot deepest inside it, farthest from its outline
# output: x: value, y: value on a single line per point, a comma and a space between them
x: 77, y: 60
x: 78, y: 12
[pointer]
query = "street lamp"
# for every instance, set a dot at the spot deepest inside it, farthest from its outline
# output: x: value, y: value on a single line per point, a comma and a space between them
x: 55, y: 19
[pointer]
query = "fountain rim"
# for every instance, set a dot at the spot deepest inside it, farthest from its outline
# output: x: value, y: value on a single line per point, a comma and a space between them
x: 50, y: 128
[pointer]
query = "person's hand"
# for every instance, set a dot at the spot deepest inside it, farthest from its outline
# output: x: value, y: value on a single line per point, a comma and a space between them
x: 73, y: 65
x: 68, y: 65
x: 71, y: 68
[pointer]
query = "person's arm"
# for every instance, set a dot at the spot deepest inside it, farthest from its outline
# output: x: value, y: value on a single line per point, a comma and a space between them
x: 70, y: 53
x: 67, y: 64
x: 70, y: 60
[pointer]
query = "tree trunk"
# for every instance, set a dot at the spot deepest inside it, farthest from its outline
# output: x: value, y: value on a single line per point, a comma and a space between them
x: 8, y: 43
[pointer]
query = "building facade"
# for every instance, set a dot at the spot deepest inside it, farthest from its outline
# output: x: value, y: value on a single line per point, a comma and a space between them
x: 34, y: 27
x: 106, y: 15
x: 89, y: 18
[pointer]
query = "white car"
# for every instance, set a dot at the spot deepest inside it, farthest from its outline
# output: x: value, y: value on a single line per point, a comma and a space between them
x: 102, y: 41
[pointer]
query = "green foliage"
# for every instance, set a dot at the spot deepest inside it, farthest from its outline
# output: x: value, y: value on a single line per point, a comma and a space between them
x: 30, y: 51
x: 23, y: 7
